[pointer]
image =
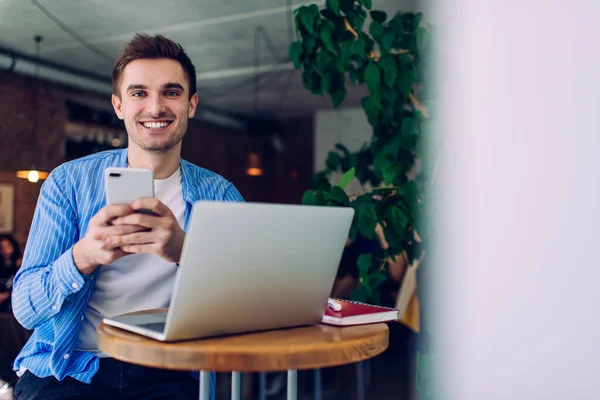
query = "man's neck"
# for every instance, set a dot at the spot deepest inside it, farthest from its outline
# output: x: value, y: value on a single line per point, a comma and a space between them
x: 162, y: 165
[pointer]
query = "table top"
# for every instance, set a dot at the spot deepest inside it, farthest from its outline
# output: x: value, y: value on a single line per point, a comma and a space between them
x: 307, y: 347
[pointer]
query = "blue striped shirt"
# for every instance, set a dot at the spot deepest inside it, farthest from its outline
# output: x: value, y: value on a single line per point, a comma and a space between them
x: 50, y: 295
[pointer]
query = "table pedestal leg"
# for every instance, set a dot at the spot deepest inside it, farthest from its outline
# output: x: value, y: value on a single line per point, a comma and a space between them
x: 236, y: 385
x: 360, y: 381
x: 292, y: 385
x: 205, y: 385
x: 262, y: 393
x: 318, y: 385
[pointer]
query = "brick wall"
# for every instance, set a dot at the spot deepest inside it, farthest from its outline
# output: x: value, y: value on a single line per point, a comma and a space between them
x: 219, y: 150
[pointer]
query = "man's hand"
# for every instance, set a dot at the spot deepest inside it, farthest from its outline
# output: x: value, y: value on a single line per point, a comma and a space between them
x: 93, y: 250
x: 162, y: 236
x: 4, y: 296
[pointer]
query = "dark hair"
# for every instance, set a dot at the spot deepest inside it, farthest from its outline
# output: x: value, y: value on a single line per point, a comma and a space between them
x: 16, y: 255
x: 146, y: 47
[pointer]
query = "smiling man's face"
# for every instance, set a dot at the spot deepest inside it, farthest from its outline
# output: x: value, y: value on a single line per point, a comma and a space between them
x: 154, y: 103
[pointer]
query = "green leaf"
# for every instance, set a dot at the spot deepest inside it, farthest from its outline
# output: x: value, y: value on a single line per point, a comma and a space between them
x: 333, y: 160
x: 311, y: 80
x: 376, y: 30
x: 309, y: 45
x: 308, y: 16
x: 379, y: 16
x: 359, y: 294
x: 397, y: 26
x: 381, y: 163
x: 321, y: 179
x: 326, y: 82
x: 422, y: 39
x: 387, y: 41
x: 333, y: 5
x: 410, y: 192
x: 326, y: 37
x: 354, y: 77
x: 392, y: 148
x: 309, y: 198
x: 323, y: 59
x: 390, y: 94
x: 296, y: 54
x: 364, y: 263
x: 390, y: 70
x: 398, y: 219
x: 347, y: 177
x: 377, y: 278
x: 343, y: 149
x: 337, y: 194
x: 338, y: 96
x: 418, y: 19
x: 373, y: 79
x: 367, y: 220
x: 389, y: 174
x: 371, y: 111
x: 410, y: 126
x: 345, y: 52
x: 358, y: 49
x: 366, y: 3
x: 365, y: 285
x: 360, y: 19
x: 405, y: 80
x: 328, y: 14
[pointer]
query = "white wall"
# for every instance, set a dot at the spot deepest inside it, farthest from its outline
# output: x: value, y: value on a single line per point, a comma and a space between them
x: 518, y: 270
x: 348, y: 126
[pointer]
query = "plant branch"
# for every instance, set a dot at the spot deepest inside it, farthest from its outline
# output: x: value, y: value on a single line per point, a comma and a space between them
x: 355, y: 195
x: 350, y: 28
x: 418, y: 105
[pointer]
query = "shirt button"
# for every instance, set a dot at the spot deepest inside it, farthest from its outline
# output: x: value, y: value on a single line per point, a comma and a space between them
x: 75, y: 285
x: 66, y: 356
x: 54, y: 308
x: 82, y: 317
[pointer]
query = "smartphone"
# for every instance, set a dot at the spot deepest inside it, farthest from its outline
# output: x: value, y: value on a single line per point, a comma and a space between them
x: 124, y: 185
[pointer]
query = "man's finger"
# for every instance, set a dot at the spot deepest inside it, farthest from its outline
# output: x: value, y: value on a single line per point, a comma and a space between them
x: 140, y: 248
x: 143, y: 220
x: 136, y: 238
x: 152, y: 204
x: 106, y: 214
x: 117, y: 230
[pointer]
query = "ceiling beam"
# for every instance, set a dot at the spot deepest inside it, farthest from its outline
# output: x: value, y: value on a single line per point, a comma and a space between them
x: 122, y: 37
x: 242, y: 71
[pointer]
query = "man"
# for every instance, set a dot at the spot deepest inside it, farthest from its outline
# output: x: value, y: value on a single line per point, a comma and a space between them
x: 85, y: 260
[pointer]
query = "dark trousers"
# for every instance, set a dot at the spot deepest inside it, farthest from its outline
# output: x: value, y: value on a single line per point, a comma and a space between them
x: 114, y: 380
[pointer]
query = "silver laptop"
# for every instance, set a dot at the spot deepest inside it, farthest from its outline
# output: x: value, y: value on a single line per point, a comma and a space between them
x: 248, y: 267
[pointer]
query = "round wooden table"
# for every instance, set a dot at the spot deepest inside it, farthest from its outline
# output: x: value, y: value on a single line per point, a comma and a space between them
x: 292, y: 349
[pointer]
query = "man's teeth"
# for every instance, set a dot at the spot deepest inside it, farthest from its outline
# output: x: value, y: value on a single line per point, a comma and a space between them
x: 155, y: 125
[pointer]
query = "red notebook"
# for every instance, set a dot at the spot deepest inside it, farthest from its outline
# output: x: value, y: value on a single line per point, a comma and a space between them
x: 356, y: 313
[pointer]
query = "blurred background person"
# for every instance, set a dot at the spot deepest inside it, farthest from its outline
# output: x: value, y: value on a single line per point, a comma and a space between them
x: 10, y: 261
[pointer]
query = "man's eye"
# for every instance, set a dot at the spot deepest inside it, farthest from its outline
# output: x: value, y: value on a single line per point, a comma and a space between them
x: 172, y: 93
x: 138, y: 94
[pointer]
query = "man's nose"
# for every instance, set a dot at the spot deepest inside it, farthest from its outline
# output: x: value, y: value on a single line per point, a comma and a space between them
x: 155, y: 107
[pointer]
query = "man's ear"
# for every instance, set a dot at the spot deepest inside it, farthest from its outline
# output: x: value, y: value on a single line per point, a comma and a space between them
x: 193, y: 105
x: 117, y: 105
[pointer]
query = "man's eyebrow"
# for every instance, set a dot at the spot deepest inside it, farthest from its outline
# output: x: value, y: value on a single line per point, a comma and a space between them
x: 136, y: 87
x: 173, y: 85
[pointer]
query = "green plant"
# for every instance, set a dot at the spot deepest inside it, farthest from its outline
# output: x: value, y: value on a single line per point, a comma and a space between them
x: 390, y: 58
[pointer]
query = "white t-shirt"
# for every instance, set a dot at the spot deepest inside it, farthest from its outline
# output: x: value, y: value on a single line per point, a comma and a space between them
x: 135, y: 282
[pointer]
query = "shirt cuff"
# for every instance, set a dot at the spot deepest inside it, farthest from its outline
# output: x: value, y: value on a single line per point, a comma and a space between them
x: 67, y: 276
